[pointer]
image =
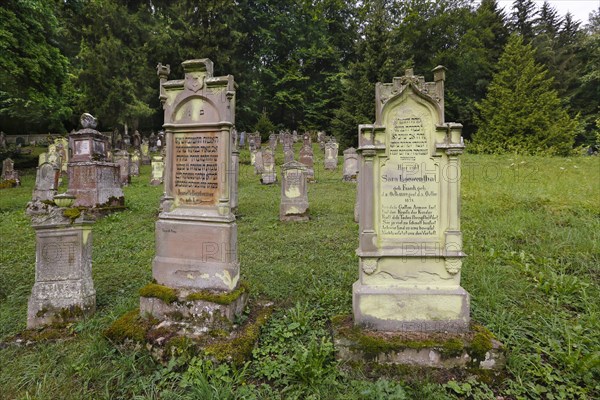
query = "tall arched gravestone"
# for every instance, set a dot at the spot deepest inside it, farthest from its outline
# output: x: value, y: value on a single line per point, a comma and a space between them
x: 196, y: 234
x: 410, y: 246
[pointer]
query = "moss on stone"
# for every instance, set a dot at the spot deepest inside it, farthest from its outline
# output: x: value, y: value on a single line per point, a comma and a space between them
x: 219, y: 298
x: 72, y: 213
x: 481, y: 343
x: 130, y: 326
x: 179, y: 346
x: 240, y: 348
x: 372, y: 344
x: 10, y: 183
x: 166, y: 294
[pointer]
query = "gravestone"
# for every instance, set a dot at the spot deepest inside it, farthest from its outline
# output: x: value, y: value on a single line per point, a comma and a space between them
x: 306, y: 158
x: 258, y: 162
x: 8, y: 171
x: 3, y: 144
x: 136, y: 140
x: 63, y: 290
x: 268, y: 176
x: 196, y: 233
x: 158, y: 170
x: 134, y: 165
x: 294, y: 199
x: 122, y: 159
x: 242, y: 142
x: 273, y: 142
x: 42, y: 158
x: 254, y: 145
x: 306, y: 140
x: 46, y: 182
x: 321, y: 137
x: 152, y: 142
x: 145, y: 151
x: 410, y: 243
x: 62, y: 148
x: 295, y: 136
x: 93, y: 179
x: 331, y: 155
x: 350, y: 165
x: 288, y: 150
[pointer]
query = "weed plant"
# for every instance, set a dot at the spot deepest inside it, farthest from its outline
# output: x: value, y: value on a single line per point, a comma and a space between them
x: 531, y: 228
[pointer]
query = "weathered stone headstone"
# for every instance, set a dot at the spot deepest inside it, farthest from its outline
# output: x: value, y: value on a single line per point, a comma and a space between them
x: 196, y: 233
x: 3, y: 143
x: 145, y: 151
x: 93, y: 179
x: 295, y: 136
x: 254, y: 145
x: 62, y: 148
x: 331, y: 155
x: 46, y: 182
x: 8, y: 171
x: 294, y: 198
x: 158, y: 170
x: 152, y: 142
x: 258, y: 162
x: 63, y: 290
x: 273, y: 142
x: 306, y: 158
x: 410, y: 245
x: 136, y: 140
x: 134, y: 165
x: 288, y: 150
x: 321, y: 136
x: 122, y: 159
x: 268, y: 176
x: 42, y: 158
x: 242, y: 142
x: 350, y: 165
x: 306, y: 140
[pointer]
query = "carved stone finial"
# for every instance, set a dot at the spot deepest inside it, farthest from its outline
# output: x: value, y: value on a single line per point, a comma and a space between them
x: 87, y: 120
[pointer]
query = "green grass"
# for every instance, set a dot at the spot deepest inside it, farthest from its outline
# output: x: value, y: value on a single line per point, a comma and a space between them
x: 531, y: 228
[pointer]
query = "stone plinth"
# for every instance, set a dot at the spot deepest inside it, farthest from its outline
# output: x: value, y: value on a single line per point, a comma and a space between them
x: 410, y: 243
x: 196, y: 234
x: 63, y: 289
x: 95, y: 184
x: 294, y: 198
x: 475, y: 348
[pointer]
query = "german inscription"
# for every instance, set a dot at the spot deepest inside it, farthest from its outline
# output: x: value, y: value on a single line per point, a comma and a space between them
x: 197, y: 169
x: 409, y: 183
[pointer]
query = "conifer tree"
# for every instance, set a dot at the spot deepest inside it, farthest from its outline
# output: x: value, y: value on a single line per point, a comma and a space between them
x: 522, y: 113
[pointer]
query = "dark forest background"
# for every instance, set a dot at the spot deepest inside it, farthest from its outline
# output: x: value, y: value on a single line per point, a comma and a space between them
x: 514, y: 78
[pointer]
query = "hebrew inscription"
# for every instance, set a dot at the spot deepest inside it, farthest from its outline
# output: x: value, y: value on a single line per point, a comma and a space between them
x: 409, y: 183
x: 197, y: 169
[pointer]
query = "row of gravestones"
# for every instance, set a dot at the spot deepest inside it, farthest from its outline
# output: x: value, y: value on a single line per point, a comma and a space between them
x: 410, y: 243
x: 153, y: 142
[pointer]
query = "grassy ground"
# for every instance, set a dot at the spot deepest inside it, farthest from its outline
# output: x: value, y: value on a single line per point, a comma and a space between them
x: 531, y: 228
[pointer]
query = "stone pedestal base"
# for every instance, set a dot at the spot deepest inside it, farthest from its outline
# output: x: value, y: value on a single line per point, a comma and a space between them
x: 60, y: 302
x: 196, y: 255
x: 475, y: 348
x: 194, y: 312
x: 410, y: 309
x: 268, y: 178
x: 293, y: 212
x: 95, y: 184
